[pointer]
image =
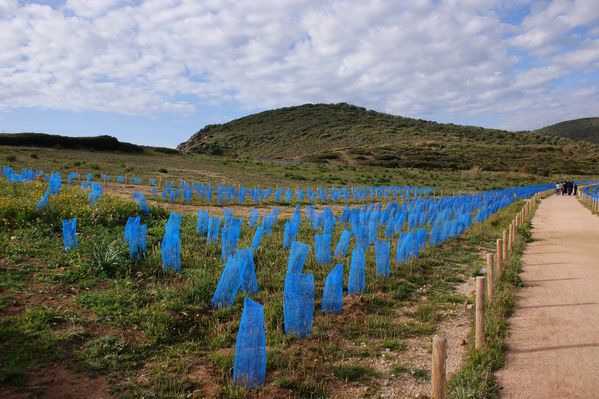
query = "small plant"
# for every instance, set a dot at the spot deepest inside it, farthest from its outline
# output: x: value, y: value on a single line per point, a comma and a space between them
x: 34, y: 156
x: 162, y: 170
x: 354, y: 372
x: 399, y: 369
x: 94, y: 166
x: 108, y: 260
x: 11, y: 158
x: 393, y: 345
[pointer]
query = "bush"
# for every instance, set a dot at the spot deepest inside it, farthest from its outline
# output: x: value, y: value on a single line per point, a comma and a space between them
x: 11, y: 158
x: 474, y: 172
x: 34, y: 156
x: 162, y: 170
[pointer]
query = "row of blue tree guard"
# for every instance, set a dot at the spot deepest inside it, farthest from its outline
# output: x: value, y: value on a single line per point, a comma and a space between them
x: 237, y: 194
x: 410, y: 226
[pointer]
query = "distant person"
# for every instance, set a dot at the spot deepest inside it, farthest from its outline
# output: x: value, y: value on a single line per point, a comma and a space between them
x: 570, y: 187
x: 575, y: 188
x: 557, y: 189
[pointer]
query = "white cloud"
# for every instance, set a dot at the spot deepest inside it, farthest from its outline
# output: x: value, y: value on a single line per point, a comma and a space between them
x: 418, y: 58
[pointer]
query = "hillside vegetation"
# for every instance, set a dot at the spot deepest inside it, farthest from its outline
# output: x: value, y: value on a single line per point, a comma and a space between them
x: 98, y: 143
x: 95, y: 143
x: 578, y: 129
x: 342, y: 133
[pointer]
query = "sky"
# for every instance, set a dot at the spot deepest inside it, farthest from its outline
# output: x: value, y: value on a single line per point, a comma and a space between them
x: 154, y: 72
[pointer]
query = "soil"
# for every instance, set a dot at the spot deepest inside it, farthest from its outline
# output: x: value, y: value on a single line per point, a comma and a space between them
x: 553, y: 343
x: 455, y: 326
x: 59, y: 382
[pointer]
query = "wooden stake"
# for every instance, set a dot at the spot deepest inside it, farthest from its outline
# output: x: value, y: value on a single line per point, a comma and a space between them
x: 480, y: 312
x: 490, y: 277
x: 438, y: 371
x: 499, y: 256
x: 504, y: 239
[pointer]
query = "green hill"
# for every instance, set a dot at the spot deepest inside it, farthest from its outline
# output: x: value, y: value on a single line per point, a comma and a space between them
x: 96, y: 143
x: 578, y: 129
x: 356, y: 136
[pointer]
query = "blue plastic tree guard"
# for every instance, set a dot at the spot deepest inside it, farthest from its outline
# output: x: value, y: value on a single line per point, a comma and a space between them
x: 332, y: 294
x: 361, y: 236
x: 202, y: 222
x: 171, y: 244
x: 287, y: 235
x: 382, y: 251
x: 257, y: 237
x: 403, y: 248
x: 69, y: 234
x: 43, y: 202
x: 357, y: 278
x: 228, y: 285
x: 297, y: 257
x: 290, y: 231
x: 249, y: 363
x: 343, y: 244
x: 213, y: 229
x: 141, y: 201
x: 55, y: 182
x: 253, y: 218
x: 247, y: 270
x: 230, y: 237
x: 135, y: 235
x: 95, y: 193
x: 298, y: 304
x: 322, y: 248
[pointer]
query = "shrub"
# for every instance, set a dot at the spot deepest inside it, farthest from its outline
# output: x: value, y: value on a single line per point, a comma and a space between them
x: 11, y: 158
x: 34, y: 156
x: 474, y: 172
x: 162, y: 170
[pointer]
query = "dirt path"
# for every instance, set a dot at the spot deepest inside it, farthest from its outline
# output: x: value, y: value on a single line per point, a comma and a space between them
x: 554, y: 333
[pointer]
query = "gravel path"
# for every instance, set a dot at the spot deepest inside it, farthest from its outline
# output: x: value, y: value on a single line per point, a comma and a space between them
x: 554, y: 333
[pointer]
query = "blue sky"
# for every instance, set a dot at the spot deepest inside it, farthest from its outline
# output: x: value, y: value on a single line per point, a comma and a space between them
x: 154, y: 72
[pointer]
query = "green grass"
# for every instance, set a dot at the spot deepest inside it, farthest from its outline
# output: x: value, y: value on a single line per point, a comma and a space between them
x: 354, y: 372
x: 126, y: 319
x: 206, y: 168
x: 28, y: 340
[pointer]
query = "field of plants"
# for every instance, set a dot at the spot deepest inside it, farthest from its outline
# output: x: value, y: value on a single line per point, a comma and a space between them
x: 143, y: 286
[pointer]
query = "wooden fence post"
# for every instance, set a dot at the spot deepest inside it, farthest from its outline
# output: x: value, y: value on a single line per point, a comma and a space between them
x: 504, y: 239
x: 490, y: 277
x: 438, y: 371
x: 480, y: 313
x: 499, y: 256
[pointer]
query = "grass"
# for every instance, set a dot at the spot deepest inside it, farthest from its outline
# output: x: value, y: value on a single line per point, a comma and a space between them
x: 32, y: 339
x: 134, y: 321
x: 213, y: 169
x: 354, y: 372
